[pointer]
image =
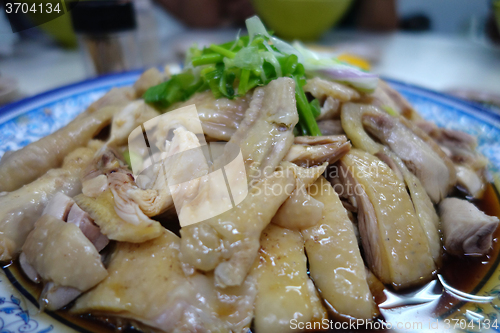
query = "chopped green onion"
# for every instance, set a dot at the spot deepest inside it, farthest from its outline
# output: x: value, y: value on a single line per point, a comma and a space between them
x: 222, y: 51
x: 207, y: 59
x: 306, y: 118
x: 242, y: 87
x: 298, y: 130
x: 390, y: 110
x: 179, y: 88
x: 257, y: 41
x: 253, y: 82
x: 315, y: 108
x: 257, y: 71
x: 126, y: 157
x: 206, y: 70
x: 245, y: 63
x: 288, y: 64
x: 226, y: 84
x: 213, y: 79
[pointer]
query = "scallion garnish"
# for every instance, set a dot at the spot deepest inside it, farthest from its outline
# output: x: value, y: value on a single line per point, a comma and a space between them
x: 234, y: 68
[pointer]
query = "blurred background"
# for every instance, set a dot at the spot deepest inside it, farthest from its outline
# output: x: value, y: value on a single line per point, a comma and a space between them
x: 451, y: 46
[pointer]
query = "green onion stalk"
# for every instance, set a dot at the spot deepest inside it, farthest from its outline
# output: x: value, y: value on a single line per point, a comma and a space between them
x: 232, y: 69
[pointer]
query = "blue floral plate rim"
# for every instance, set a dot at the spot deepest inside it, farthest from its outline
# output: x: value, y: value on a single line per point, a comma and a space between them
x: 16, y: 108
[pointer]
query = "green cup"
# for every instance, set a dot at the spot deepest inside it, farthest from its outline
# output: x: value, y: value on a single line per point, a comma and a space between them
x: 301, y: 19
x: 496, y: 10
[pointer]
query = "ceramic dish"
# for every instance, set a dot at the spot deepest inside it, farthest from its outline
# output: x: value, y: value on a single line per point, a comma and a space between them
x: 477, y: 300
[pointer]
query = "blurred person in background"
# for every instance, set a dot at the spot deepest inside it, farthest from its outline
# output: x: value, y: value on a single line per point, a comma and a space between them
x: 209, y: 13
x: 377, y: 15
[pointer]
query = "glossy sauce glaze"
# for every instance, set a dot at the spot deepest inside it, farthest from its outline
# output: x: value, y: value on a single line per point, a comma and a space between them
x: 418, y: 305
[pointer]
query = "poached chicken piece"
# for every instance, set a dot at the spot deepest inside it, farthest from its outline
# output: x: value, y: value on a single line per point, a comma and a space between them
x: 266, y: 133
x: 391, y: 101
x: 103, y: 211
x: 229, y: 243
x: 309, y: 151
x: 220, y: 118
x: 300, y: 210
x: 352, y: 115
x: 110, y: 205
x: 64, y: 208
x: 284, y: 291
x: 321, y: 89
x: 461, y: 148
x: 335, y: 262
x: 63, y: 256
x: 330, y: 95
x: 20, y: 209
x: 331, y: 127
x: 433, y: 168
x: 146, y: 282
x: 466, y: 229
x: 148, y: 79
x: 29, y: 163
x: 55, y: 295
x: 390, y: 231
x: 127, y: 119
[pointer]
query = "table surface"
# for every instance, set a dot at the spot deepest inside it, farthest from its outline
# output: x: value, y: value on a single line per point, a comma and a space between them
x: 434, y: 61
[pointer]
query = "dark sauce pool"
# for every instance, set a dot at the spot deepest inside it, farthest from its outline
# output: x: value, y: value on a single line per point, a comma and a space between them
x: 423, y: 304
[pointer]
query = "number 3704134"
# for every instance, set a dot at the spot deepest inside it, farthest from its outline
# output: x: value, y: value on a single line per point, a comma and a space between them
x: 25, y: 7
x: 470, y: 324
